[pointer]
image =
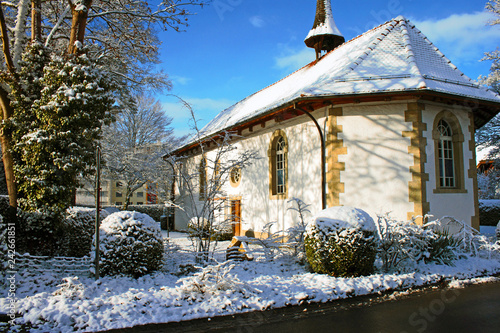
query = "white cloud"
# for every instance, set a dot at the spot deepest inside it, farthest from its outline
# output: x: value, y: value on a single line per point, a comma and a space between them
x: 257, y: 21
x: 180, y: 80
x: 462, y: 37
x: 292, y: 60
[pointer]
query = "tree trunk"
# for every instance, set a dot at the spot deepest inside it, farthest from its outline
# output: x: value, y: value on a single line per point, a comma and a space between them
x: 78, y: 25
x: 36, y: 20
x: 6, y: 114
x: 126, y: 203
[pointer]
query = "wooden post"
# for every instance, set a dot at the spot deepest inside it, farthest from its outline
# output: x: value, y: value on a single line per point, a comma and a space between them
x: 97, y: 209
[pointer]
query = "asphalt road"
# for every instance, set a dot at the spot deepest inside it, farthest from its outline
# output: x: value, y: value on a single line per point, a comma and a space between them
x: 474, y: 308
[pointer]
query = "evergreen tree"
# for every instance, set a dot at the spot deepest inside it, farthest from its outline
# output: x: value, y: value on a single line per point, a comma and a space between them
x: 62, y: 111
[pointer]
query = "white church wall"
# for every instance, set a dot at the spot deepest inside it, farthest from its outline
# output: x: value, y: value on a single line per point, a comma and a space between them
x: 377, y: 162
x: 457, y: 205
x: 304, y: 177
x: 257, y: 209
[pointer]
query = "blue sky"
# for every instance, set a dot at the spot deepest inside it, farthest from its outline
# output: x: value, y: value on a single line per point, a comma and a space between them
x: 234, y: 48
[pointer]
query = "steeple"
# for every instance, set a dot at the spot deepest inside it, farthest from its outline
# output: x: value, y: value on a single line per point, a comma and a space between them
x: 324, y: 35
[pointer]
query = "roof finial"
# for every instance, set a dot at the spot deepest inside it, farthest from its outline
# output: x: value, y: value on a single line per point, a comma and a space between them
x: 324, y: 35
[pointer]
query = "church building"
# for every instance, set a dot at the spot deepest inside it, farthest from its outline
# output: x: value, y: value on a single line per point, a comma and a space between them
x: 383, y: 122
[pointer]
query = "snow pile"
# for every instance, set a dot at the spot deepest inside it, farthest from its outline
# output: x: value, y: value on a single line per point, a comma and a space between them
x: 343, y: 217
x: 498, y: 231
x: 130, y: 243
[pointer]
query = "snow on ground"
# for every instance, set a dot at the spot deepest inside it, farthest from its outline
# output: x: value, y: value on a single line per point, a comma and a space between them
x: 490, y: 202
x: 488, y: 230
x: 58, y: 303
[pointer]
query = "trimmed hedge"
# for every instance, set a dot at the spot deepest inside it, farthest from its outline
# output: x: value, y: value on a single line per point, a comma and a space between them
x: 489, y: 212
x: 342, y: 253
x: 79, y: 230
x: 341, y: 242
x: 4, y: 204
x: 154, y: 211
x: 47, y: 235
x: 130, y: 243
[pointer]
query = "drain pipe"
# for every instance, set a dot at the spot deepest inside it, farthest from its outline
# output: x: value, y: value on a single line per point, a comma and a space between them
x: 323, y: 154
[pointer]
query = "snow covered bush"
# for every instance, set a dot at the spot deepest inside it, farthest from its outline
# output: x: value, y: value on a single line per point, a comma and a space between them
x: 130, y: 243
x: 214, y: 280
x: 470, y: 242
x: 295, y: 235
x: 3, y: 244
x: 4, y: 203
x: 199, y: 227
x: 341, y: 241
x: 498, y: 231
x: 403, y: 243
x: 154, y: 211
x: 489, y: 212
x: 38, y: 233
x: 78, y: 229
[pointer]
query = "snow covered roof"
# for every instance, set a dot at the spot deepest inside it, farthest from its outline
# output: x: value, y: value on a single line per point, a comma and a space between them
x: 393, y: 57
x: 324, y: 24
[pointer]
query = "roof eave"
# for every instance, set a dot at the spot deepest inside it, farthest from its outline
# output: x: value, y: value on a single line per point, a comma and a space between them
x: 484, y: 110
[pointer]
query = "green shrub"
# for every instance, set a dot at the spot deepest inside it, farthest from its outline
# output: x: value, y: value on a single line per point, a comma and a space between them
x: 130, y: 243
x: 4, y: 204
x: 78, y: 229
x: 154, y: 211
x: 441, y: 248
x: 341, y: 242
x: 47, y: 234
x: 405, y: 243
x: 489, y: 212
x: 39, y: 233
x: 3, y: 245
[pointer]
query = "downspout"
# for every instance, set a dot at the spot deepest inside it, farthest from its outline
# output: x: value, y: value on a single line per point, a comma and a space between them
x: 323, y: 154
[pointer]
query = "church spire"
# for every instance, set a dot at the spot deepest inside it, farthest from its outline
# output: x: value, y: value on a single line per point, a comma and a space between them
x: 324, y: 35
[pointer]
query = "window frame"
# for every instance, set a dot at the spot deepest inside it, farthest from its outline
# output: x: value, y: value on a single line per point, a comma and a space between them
x: 448, y: 149
x: 278, y: 158
x: 233, y: 180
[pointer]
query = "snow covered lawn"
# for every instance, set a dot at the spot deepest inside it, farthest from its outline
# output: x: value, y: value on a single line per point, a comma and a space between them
x: 57, y: 303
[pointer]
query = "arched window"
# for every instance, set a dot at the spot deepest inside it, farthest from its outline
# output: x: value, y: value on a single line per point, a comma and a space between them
x: 278, y: 165
x: 445, y: 155
x: 448, y: 142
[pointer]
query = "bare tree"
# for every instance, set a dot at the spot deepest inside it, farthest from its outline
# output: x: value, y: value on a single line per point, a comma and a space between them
x: 201, y: 182
x: 133, y: 146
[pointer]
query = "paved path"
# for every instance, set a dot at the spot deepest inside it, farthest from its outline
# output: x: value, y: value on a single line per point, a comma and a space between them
x: 472, y: 309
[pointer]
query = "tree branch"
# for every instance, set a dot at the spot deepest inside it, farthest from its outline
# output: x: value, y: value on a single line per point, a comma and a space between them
x: 5, y: 44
